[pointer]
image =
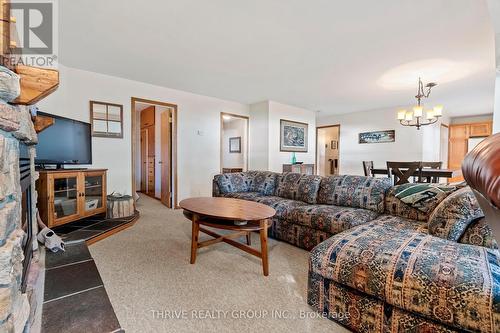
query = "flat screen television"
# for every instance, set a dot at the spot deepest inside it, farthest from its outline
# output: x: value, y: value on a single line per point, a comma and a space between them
x: 65, y: 141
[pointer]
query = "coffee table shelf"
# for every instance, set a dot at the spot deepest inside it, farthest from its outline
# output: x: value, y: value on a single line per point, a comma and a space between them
x: 220, y: 213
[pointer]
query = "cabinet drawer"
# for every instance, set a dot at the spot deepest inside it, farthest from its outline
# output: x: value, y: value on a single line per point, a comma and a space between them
x: 480, y: 129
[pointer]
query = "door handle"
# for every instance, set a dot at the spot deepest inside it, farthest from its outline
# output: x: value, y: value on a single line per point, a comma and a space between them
x: 160, y: 162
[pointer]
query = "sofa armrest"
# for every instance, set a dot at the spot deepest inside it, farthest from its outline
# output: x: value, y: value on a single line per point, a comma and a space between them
x: 215, y: 188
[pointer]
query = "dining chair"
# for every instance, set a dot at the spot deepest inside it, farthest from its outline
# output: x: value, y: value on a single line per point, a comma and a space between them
x: 400, y: 172
x: 432, y: 165
x: 367, y: 168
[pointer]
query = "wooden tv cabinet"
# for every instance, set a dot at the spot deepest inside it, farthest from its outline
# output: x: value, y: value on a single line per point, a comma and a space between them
x: 66, y: 195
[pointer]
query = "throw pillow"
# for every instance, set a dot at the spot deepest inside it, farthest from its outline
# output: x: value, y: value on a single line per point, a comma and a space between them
x: 454, y: 214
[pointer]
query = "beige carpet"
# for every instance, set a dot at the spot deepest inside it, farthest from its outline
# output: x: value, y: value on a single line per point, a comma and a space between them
x: 153, y: 288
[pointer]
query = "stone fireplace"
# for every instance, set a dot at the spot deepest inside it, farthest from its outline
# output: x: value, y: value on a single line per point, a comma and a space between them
x: 17, y: 213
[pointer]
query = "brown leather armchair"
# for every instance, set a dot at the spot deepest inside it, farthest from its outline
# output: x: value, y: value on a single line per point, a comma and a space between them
x: 481, y: 170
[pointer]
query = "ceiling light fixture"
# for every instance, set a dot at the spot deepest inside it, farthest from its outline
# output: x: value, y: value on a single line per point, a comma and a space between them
x: 406, y: 118
x: 226, y: 117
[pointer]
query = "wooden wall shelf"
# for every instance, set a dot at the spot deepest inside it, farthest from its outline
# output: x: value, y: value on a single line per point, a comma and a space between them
x: 36, y: 83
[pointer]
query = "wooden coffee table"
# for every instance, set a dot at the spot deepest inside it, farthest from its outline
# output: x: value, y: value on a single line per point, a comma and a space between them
x: 220, y: 213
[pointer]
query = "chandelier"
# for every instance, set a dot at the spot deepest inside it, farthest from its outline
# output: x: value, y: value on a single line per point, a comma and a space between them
x: 416, y: 117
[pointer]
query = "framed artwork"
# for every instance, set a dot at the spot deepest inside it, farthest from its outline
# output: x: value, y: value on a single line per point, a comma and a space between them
x: 293, y: 136
x: 377, y: 137
x: 333, y: 144
x: 106, y: 119
x: 235, y: 144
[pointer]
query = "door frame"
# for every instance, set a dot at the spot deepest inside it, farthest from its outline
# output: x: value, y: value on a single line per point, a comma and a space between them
x: 133, y: 101
x: 222, y: 114
x: 316, y: 146
x: 448, y: 142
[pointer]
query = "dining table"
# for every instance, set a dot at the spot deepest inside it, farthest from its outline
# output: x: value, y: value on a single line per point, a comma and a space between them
x: 426, y: 172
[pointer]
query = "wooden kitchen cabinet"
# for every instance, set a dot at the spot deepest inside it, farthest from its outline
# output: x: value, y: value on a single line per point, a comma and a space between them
x: 480, y: 129
x: 68, y: 195
x: 148, y: 117
x: 458, y: 142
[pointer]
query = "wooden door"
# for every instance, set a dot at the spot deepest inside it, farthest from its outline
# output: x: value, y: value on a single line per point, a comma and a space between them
x: 166, y: 162
x: 65, y: 200
x: 144, y: 160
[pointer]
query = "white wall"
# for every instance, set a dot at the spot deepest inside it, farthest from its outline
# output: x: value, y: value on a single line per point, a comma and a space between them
x: 496, y: 114
x: 265, y: 119
x: 431, y: 141
x: 472, y: 119
x: 407, y: 145
x: 258, y: 157
x: 198, y: 146
x: 279, y: 111
x: 236, y: 127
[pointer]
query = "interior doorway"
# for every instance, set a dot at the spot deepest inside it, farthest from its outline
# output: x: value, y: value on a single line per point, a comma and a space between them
x: 327, y: 150
x: 154, y: 150
x: 234, y: 143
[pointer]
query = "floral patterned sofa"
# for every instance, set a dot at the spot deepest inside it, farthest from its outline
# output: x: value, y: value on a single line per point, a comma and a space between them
x: 384, y: 258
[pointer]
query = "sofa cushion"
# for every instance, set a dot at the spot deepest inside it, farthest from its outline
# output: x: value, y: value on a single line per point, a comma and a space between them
x: 399, y: 222
x: 251, y: 196
x: 454, y: 214
x: 296, y: 234
x: 281, y: 205
x: 332, y: 219
x: 263, y: 182
x: 250, y: 181
x: 396, y: 207
x: 479, y: 233
x: 423, y: 196
x: 234, y: 182
x: 451, y: 283
x: 354, y: 191
x: 360, y: 312
x: 297, y: 186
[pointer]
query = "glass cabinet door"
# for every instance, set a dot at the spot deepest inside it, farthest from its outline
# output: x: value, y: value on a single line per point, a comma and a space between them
x: 65, y: 196
x: 93, y: 192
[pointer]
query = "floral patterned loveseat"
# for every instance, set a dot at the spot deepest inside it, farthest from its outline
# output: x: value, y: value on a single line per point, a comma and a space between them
x: 407, y: 258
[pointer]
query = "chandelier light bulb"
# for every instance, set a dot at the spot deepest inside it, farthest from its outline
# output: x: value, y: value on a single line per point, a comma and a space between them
x: 438, y: 110
x: 418, y: 111
x: 401, y: 114
x: 409, y: 116
x: 430, y: 114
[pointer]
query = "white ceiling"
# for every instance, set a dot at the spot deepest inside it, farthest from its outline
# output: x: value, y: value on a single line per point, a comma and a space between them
x: 494, y: 7
x: 328, y: 55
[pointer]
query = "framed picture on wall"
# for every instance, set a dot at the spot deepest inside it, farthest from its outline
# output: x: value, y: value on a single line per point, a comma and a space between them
x: 377, y: 137
x: 106, y: 119
x: 293, y: 136
x: 235, y: 144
